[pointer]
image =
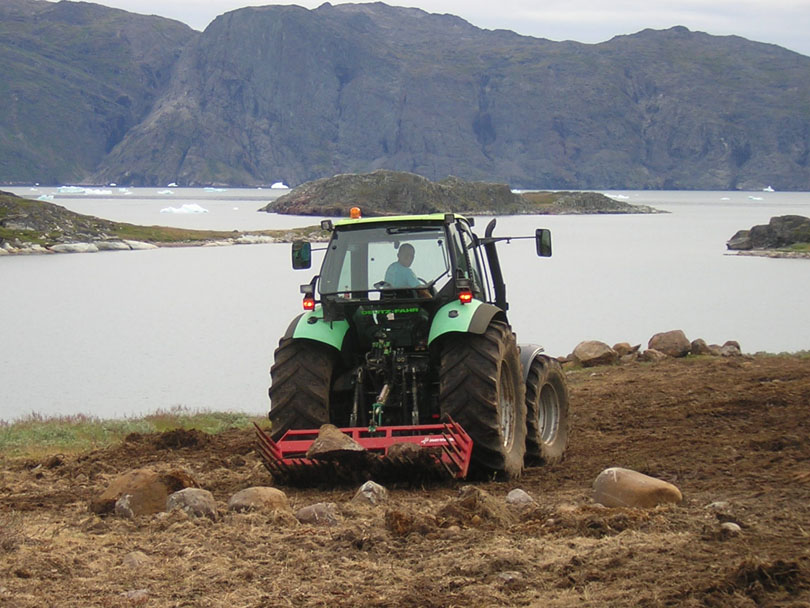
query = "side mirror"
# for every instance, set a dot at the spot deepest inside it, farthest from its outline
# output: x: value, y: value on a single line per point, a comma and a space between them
x: 542, y: 238
x: 301, y: 255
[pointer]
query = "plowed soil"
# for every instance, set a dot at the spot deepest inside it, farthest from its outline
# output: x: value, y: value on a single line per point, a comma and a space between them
x: 731, y: 433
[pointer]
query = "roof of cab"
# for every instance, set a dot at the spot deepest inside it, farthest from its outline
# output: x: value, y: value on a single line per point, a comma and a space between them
x: 429, y: 217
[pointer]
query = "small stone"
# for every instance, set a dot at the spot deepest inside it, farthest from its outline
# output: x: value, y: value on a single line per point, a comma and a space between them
x: 123, y: 507
x: 729, y: 528
x: 196, y: 502
x: 370, y: 493
x: 259, y: 499
x: 519, y: 497
x: 333, y: 443
x: 509, y: 576
x: 136, y: 560
x: 618, y: 487
x: 319, y: 514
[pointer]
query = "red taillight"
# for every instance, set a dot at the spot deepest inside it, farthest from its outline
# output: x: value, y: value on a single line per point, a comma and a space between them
x: 309, y: 303
x: 465, y: 296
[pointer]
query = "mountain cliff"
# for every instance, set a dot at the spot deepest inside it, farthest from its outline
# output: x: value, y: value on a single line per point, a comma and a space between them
x: 282, y: 93
x: 76, y: 77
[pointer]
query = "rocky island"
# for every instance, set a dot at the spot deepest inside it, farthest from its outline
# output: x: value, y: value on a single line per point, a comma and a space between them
x: 784, y: 236
x: 385, y: 192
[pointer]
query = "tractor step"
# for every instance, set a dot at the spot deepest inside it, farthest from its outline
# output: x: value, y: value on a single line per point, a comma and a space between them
x: 444, y: 451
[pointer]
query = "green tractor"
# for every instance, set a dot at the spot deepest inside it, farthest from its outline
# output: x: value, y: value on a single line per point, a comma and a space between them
x: 405, y: 339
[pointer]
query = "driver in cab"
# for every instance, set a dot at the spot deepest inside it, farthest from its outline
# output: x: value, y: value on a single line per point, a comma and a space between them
x: 399, y: 274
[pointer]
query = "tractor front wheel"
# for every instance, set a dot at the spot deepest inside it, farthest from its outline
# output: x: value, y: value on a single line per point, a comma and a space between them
x: 301, y: 378
x: 547, y: 412
x: 481, y: 388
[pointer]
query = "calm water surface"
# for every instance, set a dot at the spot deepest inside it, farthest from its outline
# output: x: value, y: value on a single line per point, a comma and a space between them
x: 126, y: 333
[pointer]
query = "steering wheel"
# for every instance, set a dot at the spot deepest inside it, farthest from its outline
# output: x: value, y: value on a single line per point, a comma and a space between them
x: 383, y: 285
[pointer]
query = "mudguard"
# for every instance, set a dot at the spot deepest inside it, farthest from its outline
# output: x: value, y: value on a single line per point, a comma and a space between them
x: 528, y: 352
x: 466, y: 318
x: 311, y: 326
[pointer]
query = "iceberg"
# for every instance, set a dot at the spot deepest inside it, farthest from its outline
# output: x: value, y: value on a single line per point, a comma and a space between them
x: 165, y: 192
x: 279, y: 185
x: 210, y: 189
x: 172, y: 185
x: 70, y: 190
x: 98, y: 191
x: 187, y: 208
x: 48, y: 198
x: 768, y: 189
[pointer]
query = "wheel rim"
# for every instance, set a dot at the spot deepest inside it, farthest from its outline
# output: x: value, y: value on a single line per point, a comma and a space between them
x: 507, y: 408
x: 548, y: 414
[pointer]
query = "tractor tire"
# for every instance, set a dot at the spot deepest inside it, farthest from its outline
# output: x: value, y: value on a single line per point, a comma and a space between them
x: 547, y: 412
x: 481, y: 388
x: 301, y: 378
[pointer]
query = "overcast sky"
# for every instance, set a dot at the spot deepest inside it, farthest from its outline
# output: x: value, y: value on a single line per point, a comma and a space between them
x: 782, y: 22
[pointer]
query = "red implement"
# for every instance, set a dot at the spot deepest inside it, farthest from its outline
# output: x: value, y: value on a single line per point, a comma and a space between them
x: 445, y: 450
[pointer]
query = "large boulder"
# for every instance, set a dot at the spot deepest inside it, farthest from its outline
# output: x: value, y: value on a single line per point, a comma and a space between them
x: 673, y: 343
x: 332, y: 443
x: 618, y: 487
x: 593, y: 352
x: 147, y: 491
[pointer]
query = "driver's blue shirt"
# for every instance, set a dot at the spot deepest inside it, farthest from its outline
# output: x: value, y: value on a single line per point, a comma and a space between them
x: 399, y: 276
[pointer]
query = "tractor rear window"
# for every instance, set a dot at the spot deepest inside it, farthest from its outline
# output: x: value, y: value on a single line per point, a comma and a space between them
x: 379, y: 258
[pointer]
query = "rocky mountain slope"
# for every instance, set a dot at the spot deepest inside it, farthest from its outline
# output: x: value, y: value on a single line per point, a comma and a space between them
x: 282, y: 93
x: 76, y: 77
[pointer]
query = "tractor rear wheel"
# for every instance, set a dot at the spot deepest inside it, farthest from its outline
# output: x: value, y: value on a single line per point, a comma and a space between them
x: 301, y: 376
x: 481, y: 388
x: 547, y: 412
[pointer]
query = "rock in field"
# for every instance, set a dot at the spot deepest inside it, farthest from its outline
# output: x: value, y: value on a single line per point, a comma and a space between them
x: 519, y: 497
x: 259, y: 499
x: 618, y: 487
x: 672, y: 343
x: 594, y: 352
x: 319, y: 514
x: 147, y: 491
x: 196, y: 502
x: 370, y: 493
x: 333, y: 443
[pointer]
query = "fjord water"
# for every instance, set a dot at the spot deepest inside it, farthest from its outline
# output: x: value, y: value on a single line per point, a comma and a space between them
x: 127, y: 333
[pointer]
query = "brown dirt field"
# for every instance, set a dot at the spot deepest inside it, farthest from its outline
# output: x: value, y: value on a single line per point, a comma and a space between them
x: 732, y: 431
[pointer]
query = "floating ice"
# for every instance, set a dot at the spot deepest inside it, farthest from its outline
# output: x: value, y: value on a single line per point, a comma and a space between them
x: 755, y: 198
x: 767, y: 189
x: 725, y: 198
x: 165, y: 192
x: 187, y: 208
x: 210, y: 189
x: 45, y: 197
x: 172, y: 185
x: 617, y: 196
x: 279, y: 185
x: 70, y: 190
x: 98, y: 191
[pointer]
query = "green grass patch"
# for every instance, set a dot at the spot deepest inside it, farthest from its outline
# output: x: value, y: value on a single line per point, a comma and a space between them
x: 37, y: 436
